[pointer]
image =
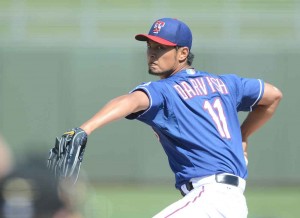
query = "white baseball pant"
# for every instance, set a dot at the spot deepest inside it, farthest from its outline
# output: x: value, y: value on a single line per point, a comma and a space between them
x: 209, y: 199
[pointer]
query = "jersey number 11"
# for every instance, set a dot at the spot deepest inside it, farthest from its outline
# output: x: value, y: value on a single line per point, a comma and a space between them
x: 217, y: 114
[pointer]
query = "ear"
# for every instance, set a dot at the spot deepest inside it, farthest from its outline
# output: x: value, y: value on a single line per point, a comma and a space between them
x: 183, y: 53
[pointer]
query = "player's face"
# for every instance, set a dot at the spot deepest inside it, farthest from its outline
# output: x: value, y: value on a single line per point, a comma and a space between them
x: 162, y: 59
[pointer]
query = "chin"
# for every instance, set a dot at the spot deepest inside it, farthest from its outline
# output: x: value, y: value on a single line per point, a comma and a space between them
x: 164, y: 74
x: 153, y: 72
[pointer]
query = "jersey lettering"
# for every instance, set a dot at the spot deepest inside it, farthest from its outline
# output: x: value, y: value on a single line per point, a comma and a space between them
x: 188, y: 89
x: 217, y: 85
x: 181, y: 92
x: 199, y: 87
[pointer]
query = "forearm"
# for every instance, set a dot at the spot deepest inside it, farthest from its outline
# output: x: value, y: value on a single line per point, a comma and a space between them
x: 116, y: 109
x: 255, y: 119
x: 113, y: 110
x: 258, y: 117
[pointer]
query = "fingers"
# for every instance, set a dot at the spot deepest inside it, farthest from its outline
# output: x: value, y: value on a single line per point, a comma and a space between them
x: 66, y: 156
x: 245, y: 145
x: 52, y: 158
x: 246, y: 159
x: 245, y: 148
x: 71, y: 162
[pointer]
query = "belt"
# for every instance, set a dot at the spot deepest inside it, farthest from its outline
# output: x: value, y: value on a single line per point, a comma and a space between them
x: 223, y: 178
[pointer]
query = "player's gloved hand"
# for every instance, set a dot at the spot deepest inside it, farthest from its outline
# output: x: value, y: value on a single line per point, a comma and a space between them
x: 66, y: 156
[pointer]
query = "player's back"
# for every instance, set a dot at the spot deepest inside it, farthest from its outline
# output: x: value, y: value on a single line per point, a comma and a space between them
x: 195, y: 116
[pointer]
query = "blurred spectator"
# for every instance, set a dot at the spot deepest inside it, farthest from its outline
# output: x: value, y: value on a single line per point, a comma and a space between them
x: 30, y: 191
x: 6, y: 161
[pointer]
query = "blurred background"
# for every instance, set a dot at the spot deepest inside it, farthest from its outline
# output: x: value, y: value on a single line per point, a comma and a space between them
x: 61, y: 60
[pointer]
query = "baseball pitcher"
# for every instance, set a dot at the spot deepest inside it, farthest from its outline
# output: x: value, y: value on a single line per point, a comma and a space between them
x: 195, y: 116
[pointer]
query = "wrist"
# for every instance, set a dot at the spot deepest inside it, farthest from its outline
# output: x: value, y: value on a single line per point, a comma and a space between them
x: 86, y: 128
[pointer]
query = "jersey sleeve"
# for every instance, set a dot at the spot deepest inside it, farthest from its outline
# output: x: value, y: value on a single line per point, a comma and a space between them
x: 154, y: 93
x: 245, y: 92
x: 251, y: 91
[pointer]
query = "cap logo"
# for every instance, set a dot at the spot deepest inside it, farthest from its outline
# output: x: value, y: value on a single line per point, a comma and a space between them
x: 157, y: 26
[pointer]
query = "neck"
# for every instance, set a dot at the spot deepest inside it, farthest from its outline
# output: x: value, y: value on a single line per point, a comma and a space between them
x: 178, y: 69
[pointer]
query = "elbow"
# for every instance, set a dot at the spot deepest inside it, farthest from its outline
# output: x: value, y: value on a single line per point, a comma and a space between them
x: 277, y: 95
x: 276, y: 98
x: 272, y: 96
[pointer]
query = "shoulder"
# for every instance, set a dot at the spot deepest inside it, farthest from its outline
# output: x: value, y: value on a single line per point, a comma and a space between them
x: 233, y: 79
x: 230, y: 77
x: 145, y: 86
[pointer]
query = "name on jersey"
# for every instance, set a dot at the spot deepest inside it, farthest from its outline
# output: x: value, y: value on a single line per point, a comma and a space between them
x: 200, y: 86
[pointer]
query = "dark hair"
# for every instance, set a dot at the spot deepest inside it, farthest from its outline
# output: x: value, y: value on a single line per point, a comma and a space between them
x: 190, y: 57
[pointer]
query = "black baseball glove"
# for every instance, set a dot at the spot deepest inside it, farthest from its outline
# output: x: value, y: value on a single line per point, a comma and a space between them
x: 65, y: 158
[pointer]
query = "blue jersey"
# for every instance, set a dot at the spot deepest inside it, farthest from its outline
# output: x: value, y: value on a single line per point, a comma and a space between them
x: 195, y: 116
